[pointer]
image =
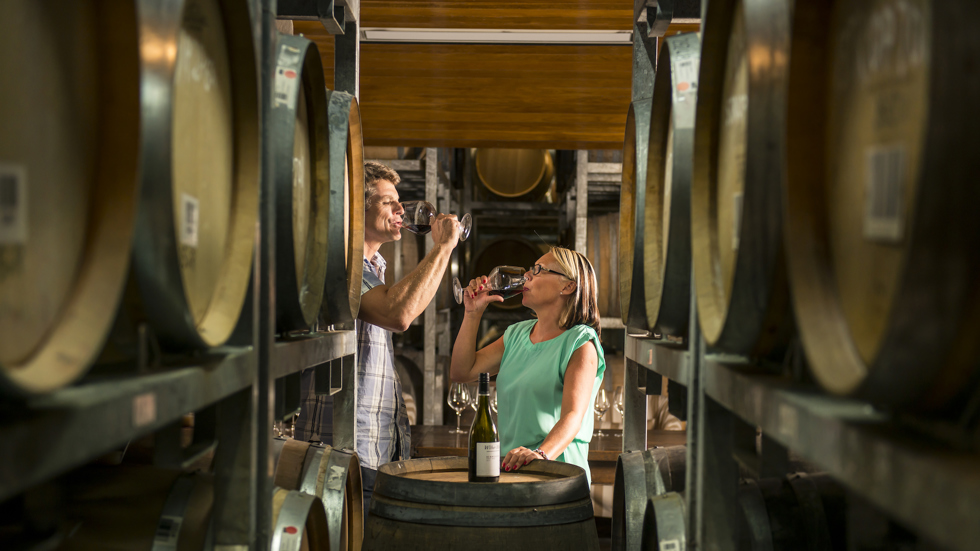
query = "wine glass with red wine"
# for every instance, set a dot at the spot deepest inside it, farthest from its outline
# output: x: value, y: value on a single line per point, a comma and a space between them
x: 503, y: 281
x: 418, y: 219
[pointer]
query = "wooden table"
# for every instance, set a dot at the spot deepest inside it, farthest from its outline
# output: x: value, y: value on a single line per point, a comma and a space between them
x: 437, y: 441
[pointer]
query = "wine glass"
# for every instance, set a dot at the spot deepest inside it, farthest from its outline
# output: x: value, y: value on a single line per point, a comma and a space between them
x: 418, y: 216
x: 505, y: 281
x: 618, y: 402
x: 493, y: 398
x: 600, y: 407
x: 474, y: 395
x: 458, y: 399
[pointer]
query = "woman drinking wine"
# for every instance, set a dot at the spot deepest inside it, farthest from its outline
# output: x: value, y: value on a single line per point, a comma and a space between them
x: 548, y: 369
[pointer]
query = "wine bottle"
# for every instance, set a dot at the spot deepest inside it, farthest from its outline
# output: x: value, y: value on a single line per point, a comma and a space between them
x: 484, y: 441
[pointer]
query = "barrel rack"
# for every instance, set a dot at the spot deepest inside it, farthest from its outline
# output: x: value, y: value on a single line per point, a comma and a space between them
x: 236, y: 391
x: 929, y: 487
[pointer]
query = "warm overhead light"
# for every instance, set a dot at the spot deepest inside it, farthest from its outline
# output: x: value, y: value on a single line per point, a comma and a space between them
x: 495, y: 36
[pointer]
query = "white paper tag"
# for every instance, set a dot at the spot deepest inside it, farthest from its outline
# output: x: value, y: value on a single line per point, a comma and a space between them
x: 167, y: 534
x: 686, y: 78
x: 736, y: 219
x: 190, y: 219
x: 670, y: 545
x: 884, y: 203
x: 287, y: 78
x: 487, y: 459
x: 291, y: 537
x: 144, y: 409
x: 13, y: 205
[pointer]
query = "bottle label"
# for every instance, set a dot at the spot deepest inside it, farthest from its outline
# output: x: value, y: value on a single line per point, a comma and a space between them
x: 487, y: 459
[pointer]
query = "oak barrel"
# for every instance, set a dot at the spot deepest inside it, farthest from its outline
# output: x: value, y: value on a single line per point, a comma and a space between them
x: 602, y: 250
x: 299, y: 522
x: 736, y: 192
x: 640, y: 476
x: 68, y: 184
x: 200, y: 168
x: 515, y: 173
x: 298, y: 130
x: 665, y: 523
x: 787, y: 514
x: 423, y: 504
x: 342, y: 287
x: 882, y: 232
x: 667, y: 211
x: 128, y: 507
x: 505, y: 251
x: 333, y: 476
x: 632, y: 223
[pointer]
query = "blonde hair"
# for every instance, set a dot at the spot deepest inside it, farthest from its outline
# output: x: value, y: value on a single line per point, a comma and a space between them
x: 583, y: 306
x: 373, y: 173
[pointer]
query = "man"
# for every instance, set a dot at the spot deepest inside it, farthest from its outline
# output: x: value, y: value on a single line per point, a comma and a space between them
x: 381, y: 419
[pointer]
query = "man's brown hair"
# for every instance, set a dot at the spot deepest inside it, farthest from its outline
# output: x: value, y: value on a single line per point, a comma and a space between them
x: 374, y: 173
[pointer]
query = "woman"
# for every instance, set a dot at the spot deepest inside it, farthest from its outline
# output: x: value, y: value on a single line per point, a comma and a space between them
x: 548, y: 370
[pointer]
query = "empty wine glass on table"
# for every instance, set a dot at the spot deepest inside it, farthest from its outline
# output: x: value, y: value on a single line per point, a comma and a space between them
x: 458, y: 399
x: 418, y: 216
x: 600, y: 407
x: 493, y: 398
x: 474, y: 396
x: 618, y: 402
x: 504, y: 281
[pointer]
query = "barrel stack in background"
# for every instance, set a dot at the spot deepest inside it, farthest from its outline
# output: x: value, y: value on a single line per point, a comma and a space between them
x: 667, y: 209
x: 68, y: 185
x: 736, y: 194
x: 882, y: 233
x: 303, y: 185
x: 524, y: 174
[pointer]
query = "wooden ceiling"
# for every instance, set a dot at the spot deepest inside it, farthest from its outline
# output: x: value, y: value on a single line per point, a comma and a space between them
x: 482, y: 95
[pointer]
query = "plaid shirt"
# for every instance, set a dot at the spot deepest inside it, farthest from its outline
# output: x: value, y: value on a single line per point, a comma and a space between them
x: 382, y: 420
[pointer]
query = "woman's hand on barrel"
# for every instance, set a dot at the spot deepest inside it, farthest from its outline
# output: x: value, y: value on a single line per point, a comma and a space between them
x: 517, y: 458
x: 476, y: 295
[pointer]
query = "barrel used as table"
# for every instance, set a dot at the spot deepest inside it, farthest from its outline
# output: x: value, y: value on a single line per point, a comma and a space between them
x: 882, y: 233
x: 68, y: 184
x: 342, y: 287
x: 333, y: 476
x: 126, y: 507
x: 199, y: 152
x: 423, y: 504
x: 515, y: 173
x: 667, y: 210
x: 299, y: 138
x: 736, y: 193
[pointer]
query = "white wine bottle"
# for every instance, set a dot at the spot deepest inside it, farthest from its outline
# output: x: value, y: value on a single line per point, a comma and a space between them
x: 484, y: 441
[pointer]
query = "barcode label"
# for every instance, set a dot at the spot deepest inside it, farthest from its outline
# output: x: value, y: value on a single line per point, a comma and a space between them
x: 168, y: 531
x: 190, y: 219
x: 884, y: 213
x: 670, y: 545
x: 287, y: 78
x: 144, y: 409
x: 13, y: 205
x: 736, y: 219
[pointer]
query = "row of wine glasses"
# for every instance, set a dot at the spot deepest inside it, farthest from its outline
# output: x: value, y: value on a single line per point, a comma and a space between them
x: 602, y: 405
x: 460, y: 396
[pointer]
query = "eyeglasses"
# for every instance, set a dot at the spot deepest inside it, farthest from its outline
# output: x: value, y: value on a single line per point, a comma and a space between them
x: 537, y: 269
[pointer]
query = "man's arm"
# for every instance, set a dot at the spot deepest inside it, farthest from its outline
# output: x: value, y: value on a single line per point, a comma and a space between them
x: 394, y: 307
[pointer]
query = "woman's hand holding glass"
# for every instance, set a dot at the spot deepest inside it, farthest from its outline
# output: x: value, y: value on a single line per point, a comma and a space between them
x: 503, y: 281
x: 476, y: 296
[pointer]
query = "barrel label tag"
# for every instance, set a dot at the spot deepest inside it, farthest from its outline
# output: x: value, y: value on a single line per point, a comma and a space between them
x: 884, y: 206
x: 487, y: 459
x: 13, y: 204
x: 336, y: 478
x: 670, y: 545
x: 144, y: 409
x: 167, y: 534
x: 190, y: 219
x: 291, y: 538
x: 287, y: 78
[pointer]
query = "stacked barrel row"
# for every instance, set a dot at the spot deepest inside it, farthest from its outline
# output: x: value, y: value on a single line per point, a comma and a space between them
x: 129, y: 184
x: 813, y: 167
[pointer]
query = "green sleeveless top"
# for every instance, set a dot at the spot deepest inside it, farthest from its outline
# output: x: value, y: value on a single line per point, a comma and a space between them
x: 529, y: 390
